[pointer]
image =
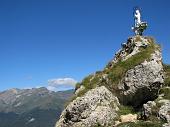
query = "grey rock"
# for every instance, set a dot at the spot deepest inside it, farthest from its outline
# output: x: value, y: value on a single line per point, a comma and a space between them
x: 147, y: 109
x: 160, y: 107
x: 130, y: 48
x: 166, y: 125
x: 79, y: 90
x: 141, y: 83
x: 164, y: 112
x: 97, y: 106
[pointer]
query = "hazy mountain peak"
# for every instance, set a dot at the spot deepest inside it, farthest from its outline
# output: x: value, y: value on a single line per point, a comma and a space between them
x: 29, y: 107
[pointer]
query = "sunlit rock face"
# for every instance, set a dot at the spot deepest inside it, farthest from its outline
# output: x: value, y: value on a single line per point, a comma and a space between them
x: 131, y: 47
x: 97, y: 107
x: 142, y: 82
x: 145, y: 76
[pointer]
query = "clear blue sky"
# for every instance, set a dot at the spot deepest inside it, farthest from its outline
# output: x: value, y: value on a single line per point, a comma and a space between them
x: 47, y: 39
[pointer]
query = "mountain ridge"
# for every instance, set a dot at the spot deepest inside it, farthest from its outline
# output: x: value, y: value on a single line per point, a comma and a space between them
x: 31, y: 107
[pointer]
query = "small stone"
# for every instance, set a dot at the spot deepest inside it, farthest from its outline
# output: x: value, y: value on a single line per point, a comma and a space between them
x: 128, y: 118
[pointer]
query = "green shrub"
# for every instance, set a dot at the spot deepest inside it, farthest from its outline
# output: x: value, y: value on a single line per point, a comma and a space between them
x: 77, y: 86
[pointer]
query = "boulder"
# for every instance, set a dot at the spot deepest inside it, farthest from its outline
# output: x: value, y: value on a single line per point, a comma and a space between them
x: 128, y: 118
x: 96, y: 107
x: 142, y: 83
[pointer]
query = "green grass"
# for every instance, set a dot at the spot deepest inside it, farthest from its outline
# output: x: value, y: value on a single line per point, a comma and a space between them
x: 124, y: 110
x: 167, y: 75
x: 90, y: 82
x: 166, y: 92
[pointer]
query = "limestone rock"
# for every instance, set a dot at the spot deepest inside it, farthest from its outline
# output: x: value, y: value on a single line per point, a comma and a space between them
x: 141, y: 83
x: 130, y: 48
x: 164, y: 112
x: 133, y: 85
x: 79, y: 89
x: 97, y: 107
x: 159, y: 108
x: 128, y: 118
x: 147, y: 109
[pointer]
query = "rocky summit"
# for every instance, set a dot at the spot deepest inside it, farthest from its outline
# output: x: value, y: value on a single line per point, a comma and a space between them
x: 131, y: 91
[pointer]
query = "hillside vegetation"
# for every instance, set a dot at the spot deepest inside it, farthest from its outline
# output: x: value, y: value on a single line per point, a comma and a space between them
x: 117, y: 71
x: 167, y: 75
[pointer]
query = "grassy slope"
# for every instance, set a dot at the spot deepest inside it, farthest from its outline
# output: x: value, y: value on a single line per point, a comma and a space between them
x: 118, y: 70
x: 166, y: 90
x: 167, y: 75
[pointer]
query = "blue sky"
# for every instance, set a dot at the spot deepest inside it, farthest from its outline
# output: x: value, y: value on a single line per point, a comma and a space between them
x: 41, y: 40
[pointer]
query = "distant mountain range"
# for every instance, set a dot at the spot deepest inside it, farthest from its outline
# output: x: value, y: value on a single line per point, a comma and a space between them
x: 37, y: 107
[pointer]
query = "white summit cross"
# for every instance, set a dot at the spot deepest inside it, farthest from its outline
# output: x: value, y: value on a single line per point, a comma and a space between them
x: 139, y: 26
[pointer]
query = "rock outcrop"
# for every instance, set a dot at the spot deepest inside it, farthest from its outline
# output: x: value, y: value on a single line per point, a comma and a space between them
x: 130, y: 48
x: 164, y: 113
x: 159, y: 108
x: 141, y: 83
x: 97, y: 107
x: 132, y: 78
x: 148, y: 109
